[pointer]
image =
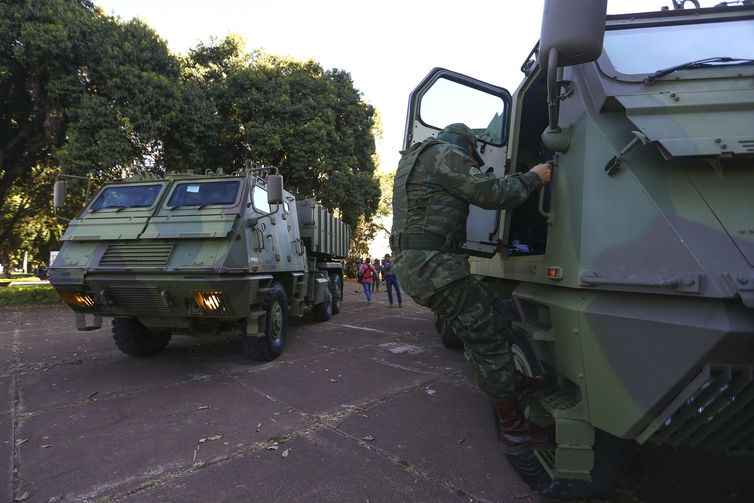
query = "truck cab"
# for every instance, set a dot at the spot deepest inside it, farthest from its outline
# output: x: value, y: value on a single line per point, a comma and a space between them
x: 196, y: 255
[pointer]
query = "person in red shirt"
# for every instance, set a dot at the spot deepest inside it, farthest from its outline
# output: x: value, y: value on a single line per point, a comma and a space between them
x: 367, y: 272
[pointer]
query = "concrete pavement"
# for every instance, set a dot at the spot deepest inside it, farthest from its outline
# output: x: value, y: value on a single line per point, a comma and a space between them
x: 366, y: 407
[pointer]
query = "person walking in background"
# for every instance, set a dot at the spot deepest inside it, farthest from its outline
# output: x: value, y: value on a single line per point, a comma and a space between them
x: 367, y: 272
x: 42, y: 272
x: 376, y: 279
x: 391, y: 280
x: 357, y: 272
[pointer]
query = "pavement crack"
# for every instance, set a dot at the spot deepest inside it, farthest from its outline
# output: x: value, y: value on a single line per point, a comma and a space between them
x: 318, y: 423
x: 16, y: 441
x: 380, y: 360
x: 22, y: 368
x: 409, y: 467
x: 366, y: 442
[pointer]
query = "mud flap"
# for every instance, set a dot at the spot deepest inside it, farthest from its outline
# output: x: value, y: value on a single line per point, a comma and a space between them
x: 81, y: 325
x: 255, y: 323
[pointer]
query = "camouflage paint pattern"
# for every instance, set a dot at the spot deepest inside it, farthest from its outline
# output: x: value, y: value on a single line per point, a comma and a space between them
x: 434, y: 185
x: 656, y: 284
x: 146, y: 263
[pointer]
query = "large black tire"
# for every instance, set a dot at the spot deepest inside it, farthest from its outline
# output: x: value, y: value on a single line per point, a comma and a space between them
x: 269, y: 346
x: 336, y: 289
x: 134, y: 339
x: 609, y: 451
x: 609, y: 458
x: 323, y: 311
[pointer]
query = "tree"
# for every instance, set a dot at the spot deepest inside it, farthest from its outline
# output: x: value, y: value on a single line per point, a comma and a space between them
x: 26, y: 219
x: 206, y: 130
x: 367, y: 230
x: 81, y: 91
x: 87, y: 94
x: 310, y: 123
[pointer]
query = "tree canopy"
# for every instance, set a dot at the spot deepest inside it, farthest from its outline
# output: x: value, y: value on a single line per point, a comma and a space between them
x: 310, y: 123
x: 87, y: 94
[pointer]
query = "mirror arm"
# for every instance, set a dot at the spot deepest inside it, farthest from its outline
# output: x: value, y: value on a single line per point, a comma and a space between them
x: 553, y: 101
x: 554, y: 137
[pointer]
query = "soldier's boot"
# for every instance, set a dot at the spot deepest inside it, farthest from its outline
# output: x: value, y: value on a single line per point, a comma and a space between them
x: 517, y: 434
x: 534, y: 387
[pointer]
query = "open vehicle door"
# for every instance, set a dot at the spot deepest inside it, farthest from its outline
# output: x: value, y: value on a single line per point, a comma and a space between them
x: 445, y: 97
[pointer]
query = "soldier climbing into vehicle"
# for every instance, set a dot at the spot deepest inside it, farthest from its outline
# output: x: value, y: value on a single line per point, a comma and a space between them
x: 436, y: 181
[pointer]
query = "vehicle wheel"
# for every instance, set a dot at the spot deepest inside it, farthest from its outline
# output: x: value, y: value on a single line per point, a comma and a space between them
x: 336, y: 289
x: 609, y: 457
x: 609, y: 451
x: 135, y: 339
x: 323, y: 311
x: 269, y: 346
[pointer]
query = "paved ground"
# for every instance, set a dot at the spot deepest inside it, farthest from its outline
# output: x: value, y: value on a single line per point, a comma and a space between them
x: 366, y: 407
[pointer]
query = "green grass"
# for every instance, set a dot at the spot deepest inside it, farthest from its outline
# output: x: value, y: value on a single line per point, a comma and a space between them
x: 33, y: 294
x: 20, y: 279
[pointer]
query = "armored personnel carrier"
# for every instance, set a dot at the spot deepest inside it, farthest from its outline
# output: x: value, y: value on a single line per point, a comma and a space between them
x: 632, y: 272
x: 198, y: 255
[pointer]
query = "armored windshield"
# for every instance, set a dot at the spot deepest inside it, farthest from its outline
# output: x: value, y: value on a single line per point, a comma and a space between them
x: 204, y: 194
x: 669, y: 46
x: 126, y: 196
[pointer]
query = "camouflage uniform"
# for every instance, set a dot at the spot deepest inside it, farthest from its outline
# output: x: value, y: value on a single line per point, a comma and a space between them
x: 434, y: 185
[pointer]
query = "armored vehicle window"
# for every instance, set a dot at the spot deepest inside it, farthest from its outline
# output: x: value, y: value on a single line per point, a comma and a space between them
x: 259, y: 199
x: 667, y: 46
x: 126, y: 196
x: 447, y: 102
x: 204, y: 194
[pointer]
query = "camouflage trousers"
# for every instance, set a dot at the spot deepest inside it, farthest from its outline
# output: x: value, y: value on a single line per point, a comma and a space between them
x: 469, y: 308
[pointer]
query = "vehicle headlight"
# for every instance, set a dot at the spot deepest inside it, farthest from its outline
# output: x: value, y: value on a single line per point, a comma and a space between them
x: 211, y: 301
x: 79, y: 300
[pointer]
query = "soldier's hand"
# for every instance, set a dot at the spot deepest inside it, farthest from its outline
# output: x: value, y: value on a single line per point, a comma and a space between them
x: 544, y: 171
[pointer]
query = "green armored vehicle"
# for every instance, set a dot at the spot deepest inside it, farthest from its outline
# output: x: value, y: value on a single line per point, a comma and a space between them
x: 632, y: 272
x: 198, y: 255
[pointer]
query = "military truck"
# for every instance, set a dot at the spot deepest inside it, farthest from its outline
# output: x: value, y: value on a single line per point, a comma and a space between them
x: 632, y: 272
x: 200, y: 255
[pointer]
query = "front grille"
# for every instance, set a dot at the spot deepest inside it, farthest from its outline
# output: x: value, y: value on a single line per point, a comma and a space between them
x: 716, y: 411
x: 138, y: 299
x: 136, y: 255
x: 748, y: 145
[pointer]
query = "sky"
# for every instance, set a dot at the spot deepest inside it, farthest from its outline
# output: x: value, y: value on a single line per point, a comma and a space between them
x: 387, y: 46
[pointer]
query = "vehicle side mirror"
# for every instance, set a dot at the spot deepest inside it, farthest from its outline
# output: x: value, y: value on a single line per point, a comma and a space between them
x: 572, y: 33
x: 59, y: 193
x: 275, y: 189
x: 574, y: 28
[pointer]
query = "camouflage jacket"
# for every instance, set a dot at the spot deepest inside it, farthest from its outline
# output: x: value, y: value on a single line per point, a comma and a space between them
x: 434, y: 186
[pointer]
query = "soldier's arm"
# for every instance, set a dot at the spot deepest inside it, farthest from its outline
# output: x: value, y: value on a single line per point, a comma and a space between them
x: 457, y: 174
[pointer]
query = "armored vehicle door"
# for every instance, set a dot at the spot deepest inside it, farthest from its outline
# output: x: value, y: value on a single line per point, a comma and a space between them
x: 445, y: 97
x: 262, y: 236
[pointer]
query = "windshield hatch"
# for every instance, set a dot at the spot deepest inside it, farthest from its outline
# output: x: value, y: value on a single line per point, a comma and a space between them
x: 201, y: 194
x: 651, y: 50
x: 121, y: 197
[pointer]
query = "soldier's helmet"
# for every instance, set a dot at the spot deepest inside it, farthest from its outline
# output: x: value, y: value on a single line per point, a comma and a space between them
x: 462, y: 136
